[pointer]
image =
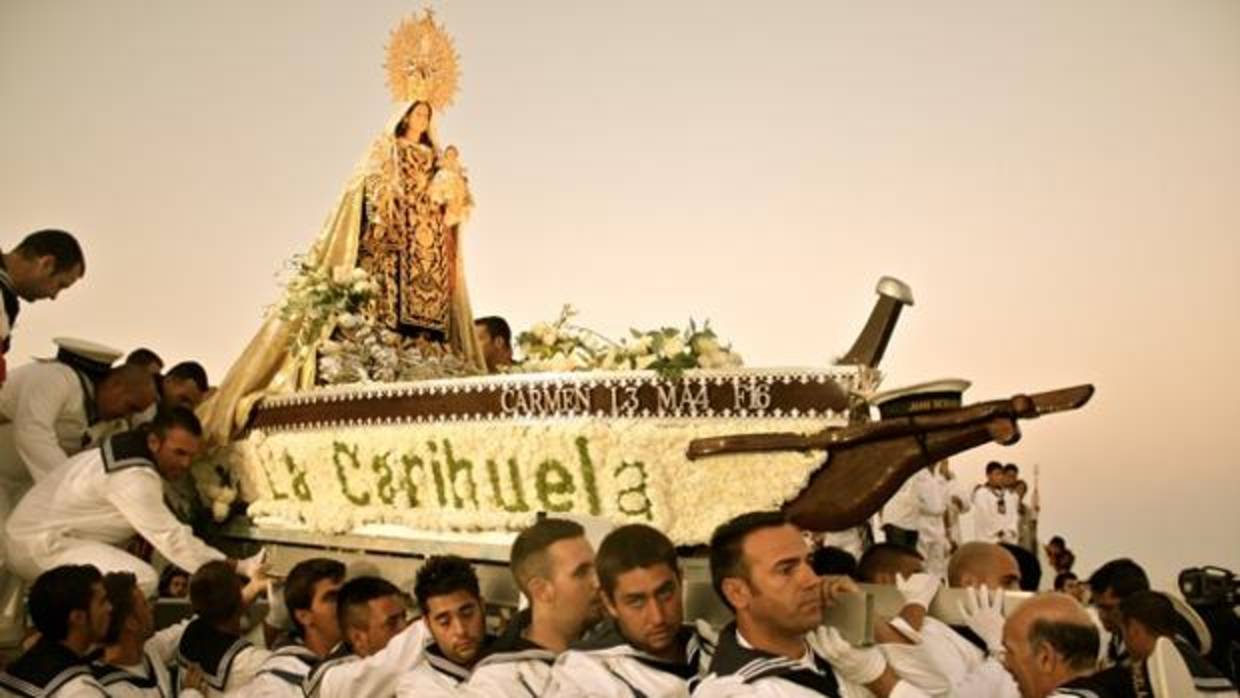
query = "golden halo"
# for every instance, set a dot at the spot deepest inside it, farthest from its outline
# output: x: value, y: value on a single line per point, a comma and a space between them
x: 422, y: 62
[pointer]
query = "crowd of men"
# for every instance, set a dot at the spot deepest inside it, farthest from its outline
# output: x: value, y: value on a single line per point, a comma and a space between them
x: 605, y: 623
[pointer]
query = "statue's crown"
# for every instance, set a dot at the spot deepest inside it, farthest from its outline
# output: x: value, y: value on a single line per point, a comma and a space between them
x: 422, y: 62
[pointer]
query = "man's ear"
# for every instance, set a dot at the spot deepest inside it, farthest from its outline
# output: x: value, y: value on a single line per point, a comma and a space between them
x: 304, y: 617
x: 78, y: 618
x: 152, y: 442
x: 541, y: 590
x: 1045, y: 659
x: 737, y: 592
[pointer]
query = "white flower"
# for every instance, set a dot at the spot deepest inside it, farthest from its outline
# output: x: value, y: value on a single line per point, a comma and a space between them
x: 641, y: 345
x: 560, y: 363
x: 672, y: 346
x: 704, y: 344
x: 643, y: 362
x: 342, y: 274
x: 358, y: 274
x: 349, y: 320
x: 711, y: 359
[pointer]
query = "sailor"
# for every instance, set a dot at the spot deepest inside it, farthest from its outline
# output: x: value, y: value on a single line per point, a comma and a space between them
x: 645, y: 648
x: 379, y: 646
x: 212, y: 641
x: 309, y: 605
x: 922, y: 649
x: 184, y: 385
x: 71, y: 611
x: 553, y: 565
x: 42, y: 265
x: 135, y: 661
x: 99, y: 499
x: 450, y: 598
x: 995, y: 509
x: 52, y: 409
x: 1051, y: 647
x: 778, y: 646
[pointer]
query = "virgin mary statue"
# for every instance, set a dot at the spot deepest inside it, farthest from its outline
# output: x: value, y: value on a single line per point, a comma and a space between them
x: 399, y: 219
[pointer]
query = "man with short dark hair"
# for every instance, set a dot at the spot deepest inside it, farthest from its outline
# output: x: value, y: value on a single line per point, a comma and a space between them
x: 146, y: 358
x: 380, y: 644
x: 184, y: 385
x: 778, y: 646
x: 309, y: 607
x: 1109, y: 585
x: 42, y: 265
x: 1011, y: 476
x: 1147, y: 616
x: 212, y: 641
x: 135, y: 660
x: 645, y: 649
x: 995, y: 514
x: 71, y: 612
x: 495, y: 339
x: 1051, y: 648
x: 1067, y: 583
x: 450, y: 598
x: 99, y: 499
x: 553, y: 565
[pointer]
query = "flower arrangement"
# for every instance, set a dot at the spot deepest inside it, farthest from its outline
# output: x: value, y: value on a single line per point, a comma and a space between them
x: 315, y: 299
x: 669, y: 351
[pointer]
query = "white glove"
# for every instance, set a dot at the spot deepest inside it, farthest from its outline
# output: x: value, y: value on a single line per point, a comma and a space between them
x: 252, y: 565
x: 277, y: 609
x: 853, y: 664
x: 983, y: 613
x: 918, y: 589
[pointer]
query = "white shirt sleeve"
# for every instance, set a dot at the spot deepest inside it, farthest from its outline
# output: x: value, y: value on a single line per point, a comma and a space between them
x: 162, y: 647
x: 34, y: 423
x: 138, y: 494
x: 377, y: 674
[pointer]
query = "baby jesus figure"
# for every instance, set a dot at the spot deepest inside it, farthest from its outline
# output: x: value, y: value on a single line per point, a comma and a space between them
x: 450, y: 188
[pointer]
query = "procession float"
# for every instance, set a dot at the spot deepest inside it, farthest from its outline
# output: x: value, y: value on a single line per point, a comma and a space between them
x: 363, y: 418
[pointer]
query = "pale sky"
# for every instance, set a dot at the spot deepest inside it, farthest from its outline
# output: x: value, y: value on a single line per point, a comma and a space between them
x: 1059, y: 182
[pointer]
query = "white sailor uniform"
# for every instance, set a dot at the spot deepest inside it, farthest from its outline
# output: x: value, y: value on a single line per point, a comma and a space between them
x: 434, y: 675
x: 740, y: 670
x: 228, y: 662
x: 515, y: 667
x: 609, y: 667
x: 346, y: 675
x: 284, y: 673
x: 50, y: 670
x: 98, y: 500
x: 153, y: 677
x: 995, y: 515
x: 946, y: 663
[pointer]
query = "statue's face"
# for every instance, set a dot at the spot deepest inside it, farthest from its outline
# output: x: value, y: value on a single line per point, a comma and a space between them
x: 417, y: 121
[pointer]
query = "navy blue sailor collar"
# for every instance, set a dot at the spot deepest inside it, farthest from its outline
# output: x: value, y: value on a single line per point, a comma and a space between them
x: 43, y: 669
x: 609, y: 637
x: 750, y: 665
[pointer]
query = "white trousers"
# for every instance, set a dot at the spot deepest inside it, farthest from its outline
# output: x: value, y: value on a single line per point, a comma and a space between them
x: 31, y: 558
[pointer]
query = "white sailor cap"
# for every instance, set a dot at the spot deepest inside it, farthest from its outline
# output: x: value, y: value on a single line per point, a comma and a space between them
x: 93, y: 352
x: 933, y: 396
